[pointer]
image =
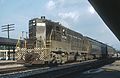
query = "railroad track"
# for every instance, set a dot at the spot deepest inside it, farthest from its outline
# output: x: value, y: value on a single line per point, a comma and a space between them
x: 14, y: 69
x: 10, y: 68
x: 23, y: 68
x: 44, y: 71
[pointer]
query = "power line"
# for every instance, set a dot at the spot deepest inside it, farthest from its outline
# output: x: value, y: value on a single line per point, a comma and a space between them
x: 7, y: 28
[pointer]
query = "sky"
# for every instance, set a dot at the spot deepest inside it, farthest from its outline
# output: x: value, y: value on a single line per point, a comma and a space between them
x: 77, y: 15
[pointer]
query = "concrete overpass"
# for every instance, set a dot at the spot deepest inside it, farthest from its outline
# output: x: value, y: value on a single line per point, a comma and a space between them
x: 109, y: 11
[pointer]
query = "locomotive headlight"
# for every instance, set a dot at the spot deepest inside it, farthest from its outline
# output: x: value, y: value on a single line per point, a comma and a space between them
x: 63, y: 54
x: 64, y: 33
x: 33, y: 21
x: 63, y: 30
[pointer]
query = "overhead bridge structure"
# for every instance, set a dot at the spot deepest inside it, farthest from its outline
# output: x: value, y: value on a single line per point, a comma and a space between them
x: 109, y: 11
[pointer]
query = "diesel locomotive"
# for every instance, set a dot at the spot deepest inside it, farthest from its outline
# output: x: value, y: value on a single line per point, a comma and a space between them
x: 51, y: 42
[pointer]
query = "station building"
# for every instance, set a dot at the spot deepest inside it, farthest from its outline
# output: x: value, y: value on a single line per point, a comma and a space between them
x: 7, y: 48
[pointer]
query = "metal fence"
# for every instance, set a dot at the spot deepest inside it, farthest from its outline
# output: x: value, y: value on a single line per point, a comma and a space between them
x: 22, y: 52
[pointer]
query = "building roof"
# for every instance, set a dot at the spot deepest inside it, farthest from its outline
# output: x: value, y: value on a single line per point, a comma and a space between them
x: 6, y: 41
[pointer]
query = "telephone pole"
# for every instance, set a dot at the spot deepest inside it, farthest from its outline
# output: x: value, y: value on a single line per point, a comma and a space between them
x: 7, y: 28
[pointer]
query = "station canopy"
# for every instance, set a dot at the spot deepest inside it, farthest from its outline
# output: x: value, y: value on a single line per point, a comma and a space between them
x: 109, y: 11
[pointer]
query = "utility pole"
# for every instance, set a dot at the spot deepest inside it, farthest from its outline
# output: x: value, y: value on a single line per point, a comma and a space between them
x: 24, y: 38
x: 26, y: 35
x: 7, y: 28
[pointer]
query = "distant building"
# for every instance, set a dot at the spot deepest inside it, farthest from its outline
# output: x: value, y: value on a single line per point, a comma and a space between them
x: 5, y: 45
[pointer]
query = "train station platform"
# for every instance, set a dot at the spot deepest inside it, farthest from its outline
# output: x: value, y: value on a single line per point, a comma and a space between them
x: 10, y: 66
x: 6, y: 62
x: 113, y: 67
x: 108, y: 71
